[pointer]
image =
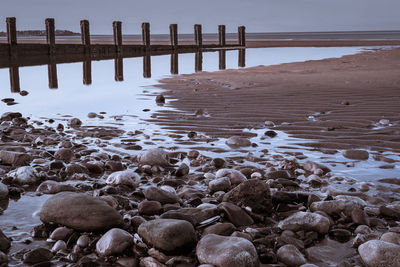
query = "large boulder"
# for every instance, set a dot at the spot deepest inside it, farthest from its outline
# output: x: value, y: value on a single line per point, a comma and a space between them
x: 24, y: 175
x: 306, y: 221
x: 80, y: 212
x: 154, y: 157
x: 377, y: 253
x: 252, y: 193
x: 168, y: 234
x: 226, y: 251
x: 127, y: 177
x: 114, y: 242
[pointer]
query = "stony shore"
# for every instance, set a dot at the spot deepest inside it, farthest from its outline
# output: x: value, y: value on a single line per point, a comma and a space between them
x: 158, y: 207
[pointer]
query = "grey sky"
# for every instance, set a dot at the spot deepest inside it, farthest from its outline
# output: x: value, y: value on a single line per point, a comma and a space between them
x: 256, y: 15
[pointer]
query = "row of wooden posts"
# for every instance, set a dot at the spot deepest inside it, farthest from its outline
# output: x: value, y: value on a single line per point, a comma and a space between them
x: 117, y: 32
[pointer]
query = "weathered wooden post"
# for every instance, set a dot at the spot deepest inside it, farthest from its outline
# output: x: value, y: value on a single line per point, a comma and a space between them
x: 52, y: 73
x: 222, y: 59
x: 12, y: 36
x: 173, y: 32
x: 242, y: 35
x: 198, y: 61
x: 14, y: 79
x: 119, y: 69
x: 221, y: 35
x: 50, y: 35
x: 87, y: 72
x: 198, y: 36
x: 174, y: 63
x: 117, y: 29
x: 146, y: 34
x: 147, y: 66
x: 85, y: 34
x: 242, y: 58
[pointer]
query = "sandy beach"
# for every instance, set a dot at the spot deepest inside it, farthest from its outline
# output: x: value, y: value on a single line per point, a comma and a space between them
x: 345, y: 102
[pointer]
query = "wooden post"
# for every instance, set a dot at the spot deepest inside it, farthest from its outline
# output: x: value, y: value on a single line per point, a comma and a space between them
x: 50, y: 35
x: 52, y: 73
x: 242, y: 58
x: 14, y: 79
x: 146, y: 34
x: 174, y: 63
x: 147, y: 66
x: 119, y: 69
x: 221, y: 34
x: 222, y: 59
x: 87, y: 72
x: 11, y: 31
x: 173, y: 32
x: 242, y: 35
x: 117, y: 29
x: 85, y: 34
x: 198, y: 61
x: 198, y: 36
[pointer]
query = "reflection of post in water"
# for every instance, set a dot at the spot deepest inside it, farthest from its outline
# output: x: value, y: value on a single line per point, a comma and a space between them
x: 222, y: 59
x: 147, y: 66
x: 174, y: 63
x: 14, y: 79
x: 119, y: 69
x: 87, y: 72
x: 52, y: 72
x: 198, y: 61
x: 242, y: 58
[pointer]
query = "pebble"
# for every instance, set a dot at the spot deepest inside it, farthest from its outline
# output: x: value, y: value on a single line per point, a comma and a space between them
x: 290, y: 255
x: 61, y: 233
x: 114, y: 242
x: 60, y: 245
x: 168, y: 234
x: 235, y: 176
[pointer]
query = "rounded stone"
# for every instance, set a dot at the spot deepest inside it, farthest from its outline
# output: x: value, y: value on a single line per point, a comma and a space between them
x: 168, y: 234
x: 290, y: 255
x: 160, y: 195
x: 114, y: 242
x: 356, y: 154
x: 80, y: 212
x: 147, y: 207
x: 154, y: 157
x: 64, y: 154
x: 226, y: 251
x: 306, y: 221
x: 377, y: 253
x: 127, y: 177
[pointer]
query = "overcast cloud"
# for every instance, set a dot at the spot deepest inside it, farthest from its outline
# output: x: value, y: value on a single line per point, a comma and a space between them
x: 256, y: 15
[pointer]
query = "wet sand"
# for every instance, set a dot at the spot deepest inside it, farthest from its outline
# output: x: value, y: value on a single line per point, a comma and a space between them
x: 341, y: 102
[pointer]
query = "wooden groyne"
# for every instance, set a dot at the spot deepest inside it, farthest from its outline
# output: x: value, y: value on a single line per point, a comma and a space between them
x: 13, y: 50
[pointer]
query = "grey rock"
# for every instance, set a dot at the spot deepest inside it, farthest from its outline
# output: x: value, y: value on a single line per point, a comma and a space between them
x: 235, y: 214
x: 252, y: 193
x: 24, y: 175
x: 225, y: 229
x: 182, y: 170
x: 160, y: 195
x: 290, y: 255
x: 37, y: 255
x: 61, y: 233
x: 3, y: 259
x: 314, y: 167
x: 147, y: 207
x: 60, y: 245
x: 306, y: 221
x: 356, y: 154
x: 391, y: 238
x: 80, y: 212
x: 220, y: 184
x: 114, y: 242
x: 74, y: 122
x: 168, y: 234
x: 14, y: 158
x: 64, y: 154
x: 235, y: 176
x: 376, y: 253
x: 226, y: 251
x: 127, y: 177
x: 5, y: 242
x: 154, y: 157
x: 53, y: 187
x: 337, y: 206
x: 3, y: 191
x: 236, y: 141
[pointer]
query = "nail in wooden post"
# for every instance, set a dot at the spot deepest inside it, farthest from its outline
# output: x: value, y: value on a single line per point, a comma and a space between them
x: 50, y: 35
x: 173, y: 31
x: 11, y: 31
x: 146, y: 34
x: 198, y: 36
x: 52, y: 73
x: 87, y: 72
x: 85, y: 34
x: 221, y: 34
x: 198, y: 62
x: 242, y: 58
x: 242, y: 35
x: 117, y: 29
x: 222, y: 59
x: 14, y: 79
x: 119, y: 69
x: 174, y: 63
x: 147, y: 66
